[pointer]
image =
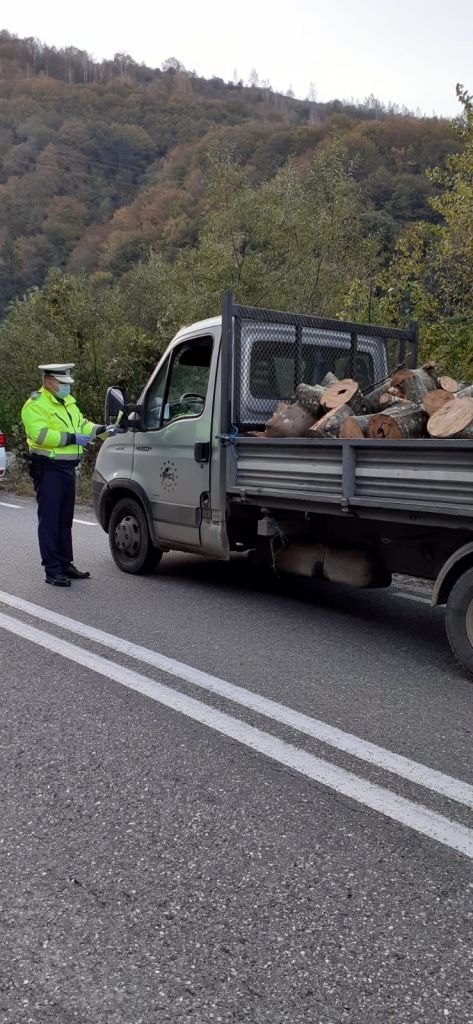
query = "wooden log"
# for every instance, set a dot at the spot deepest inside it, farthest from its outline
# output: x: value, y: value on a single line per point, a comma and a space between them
x: 413, y: 384
x: 448, y: 384
x: 345, y: 392
x: 355, y: 426
x: 387, y: 400
x: 329, y: 425
x: 329, y: 379
x: 465, y: 392
x: 454, y: 419
x: 308, y: 396
x: 427, y: 370
x: 434, y: 400
x: 373, y: 398
x: 289, y: 421
x: 399, y: 423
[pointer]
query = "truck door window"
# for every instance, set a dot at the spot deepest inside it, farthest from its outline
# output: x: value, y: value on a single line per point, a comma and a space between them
x: 188, y: 381
x: 155, y: 398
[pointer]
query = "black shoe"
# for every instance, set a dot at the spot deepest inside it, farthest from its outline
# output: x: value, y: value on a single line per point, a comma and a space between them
x: 74, y: 574
x: 58, y: 580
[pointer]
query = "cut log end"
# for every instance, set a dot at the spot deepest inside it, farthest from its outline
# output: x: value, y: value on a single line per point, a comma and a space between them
x: 454, y: 419
x: 345, y: 392
x: 384, y: 428
x: 401, y: 422
x: 448, y: 384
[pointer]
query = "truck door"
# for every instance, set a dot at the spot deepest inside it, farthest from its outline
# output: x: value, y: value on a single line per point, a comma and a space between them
x: 172, y: 452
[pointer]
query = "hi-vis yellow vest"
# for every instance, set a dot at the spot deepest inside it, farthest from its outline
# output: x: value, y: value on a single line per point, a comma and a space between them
x: 48, y: 420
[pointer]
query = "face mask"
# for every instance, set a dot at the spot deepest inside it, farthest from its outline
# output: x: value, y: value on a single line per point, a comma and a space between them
x: 63, y: 391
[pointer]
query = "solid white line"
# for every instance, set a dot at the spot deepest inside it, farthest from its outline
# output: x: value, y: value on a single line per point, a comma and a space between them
x: 415, y: 816
x: 421, y: 775
x: 6, y: 504
x: 84, y: 522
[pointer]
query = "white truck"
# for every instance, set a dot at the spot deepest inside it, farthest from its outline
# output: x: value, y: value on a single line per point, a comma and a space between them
x: 185, y: 473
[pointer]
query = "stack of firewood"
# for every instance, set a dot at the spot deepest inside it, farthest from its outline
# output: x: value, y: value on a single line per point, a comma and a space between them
x: 411, y: 403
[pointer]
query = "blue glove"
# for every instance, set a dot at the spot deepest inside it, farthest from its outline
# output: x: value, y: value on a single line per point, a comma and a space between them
x: 83, y: 440
x: 104, y: 432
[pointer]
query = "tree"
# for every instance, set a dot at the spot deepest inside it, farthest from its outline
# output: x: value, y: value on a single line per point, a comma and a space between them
x: 294, y: 242
x: 431, y: 275
x: 71, y: 319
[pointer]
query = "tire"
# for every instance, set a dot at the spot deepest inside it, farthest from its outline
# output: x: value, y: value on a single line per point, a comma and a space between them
x: 459, y: 620
x: 129, y: 539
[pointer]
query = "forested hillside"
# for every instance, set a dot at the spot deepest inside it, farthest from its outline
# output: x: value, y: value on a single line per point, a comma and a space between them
x: 99, y: 163
x: 130, y: 197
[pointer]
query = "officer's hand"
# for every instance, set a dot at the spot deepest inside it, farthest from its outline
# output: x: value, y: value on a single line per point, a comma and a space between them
x: 83, y: 440
x: 111, y: 429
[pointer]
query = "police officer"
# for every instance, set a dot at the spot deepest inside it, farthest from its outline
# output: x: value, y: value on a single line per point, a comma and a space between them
x: 57, y: 434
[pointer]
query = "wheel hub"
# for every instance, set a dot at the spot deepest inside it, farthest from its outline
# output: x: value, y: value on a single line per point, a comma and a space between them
x: 128, y: 536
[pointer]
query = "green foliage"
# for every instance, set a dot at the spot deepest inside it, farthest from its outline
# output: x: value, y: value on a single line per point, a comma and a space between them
x: 430, y: 277
x: 294, y: 242
x: 72, y: 319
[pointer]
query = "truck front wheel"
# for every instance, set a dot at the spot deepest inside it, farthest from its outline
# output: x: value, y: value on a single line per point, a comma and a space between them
x: 459, y: 620
x: 129, y: 538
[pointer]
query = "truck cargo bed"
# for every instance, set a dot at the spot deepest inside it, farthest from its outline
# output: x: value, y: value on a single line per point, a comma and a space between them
x: 417, y: 480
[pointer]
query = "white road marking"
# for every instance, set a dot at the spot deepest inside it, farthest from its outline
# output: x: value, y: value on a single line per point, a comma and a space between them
x: 83, y: 522
x: 415, y: 816
x: 363, y: 750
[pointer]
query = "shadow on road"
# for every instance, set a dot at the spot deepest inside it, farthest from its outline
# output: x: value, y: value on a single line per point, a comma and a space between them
x: 378, y: 610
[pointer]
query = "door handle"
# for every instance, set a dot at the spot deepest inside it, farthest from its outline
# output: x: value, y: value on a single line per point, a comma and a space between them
x: 202, y: 451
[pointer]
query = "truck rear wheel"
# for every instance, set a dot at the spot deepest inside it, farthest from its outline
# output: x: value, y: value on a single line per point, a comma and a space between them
x: 459, y: 620
x: 129, y: 538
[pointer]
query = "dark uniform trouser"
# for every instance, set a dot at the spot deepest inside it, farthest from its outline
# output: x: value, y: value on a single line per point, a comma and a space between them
x: 55, y: 487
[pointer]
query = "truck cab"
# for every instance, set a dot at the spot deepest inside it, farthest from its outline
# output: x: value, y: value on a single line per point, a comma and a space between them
x: 162, y: 461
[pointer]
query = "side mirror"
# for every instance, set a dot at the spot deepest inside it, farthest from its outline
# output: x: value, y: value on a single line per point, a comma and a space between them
x: 114, y: 404
x: 134, y: 416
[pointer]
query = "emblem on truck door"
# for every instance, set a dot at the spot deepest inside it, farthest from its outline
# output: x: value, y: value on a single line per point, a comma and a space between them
x: 168, y: 475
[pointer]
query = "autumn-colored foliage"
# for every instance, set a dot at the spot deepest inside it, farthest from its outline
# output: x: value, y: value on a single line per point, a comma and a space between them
x: 130, y: 197
x: 100, y: 162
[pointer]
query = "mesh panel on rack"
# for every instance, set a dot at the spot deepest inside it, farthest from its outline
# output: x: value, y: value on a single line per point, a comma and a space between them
x: 274, y: 352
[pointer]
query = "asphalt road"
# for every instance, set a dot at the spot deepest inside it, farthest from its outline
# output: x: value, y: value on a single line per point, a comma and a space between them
x: 228, y: 799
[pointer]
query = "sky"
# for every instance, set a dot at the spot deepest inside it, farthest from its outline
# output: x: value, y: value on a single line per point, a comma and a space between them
x: 408, y: 52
